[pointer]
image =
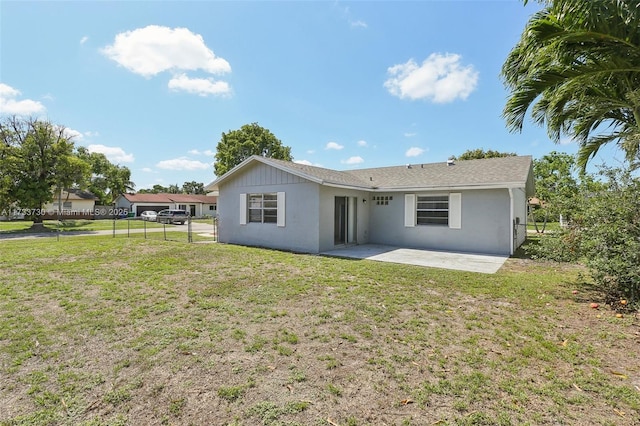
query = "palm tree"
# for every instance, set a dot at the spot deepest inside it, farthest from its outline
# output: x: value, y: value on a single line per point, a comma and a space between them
x: 577, y: 67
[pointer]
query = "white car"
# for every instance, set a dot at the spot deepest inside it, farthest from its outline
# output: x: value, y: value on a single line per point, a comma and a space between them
x: 149, y: 215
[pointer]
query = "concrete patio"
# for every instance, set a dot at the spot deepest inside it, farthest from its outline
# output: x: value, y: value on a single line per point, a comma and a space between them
x: 486, y: 264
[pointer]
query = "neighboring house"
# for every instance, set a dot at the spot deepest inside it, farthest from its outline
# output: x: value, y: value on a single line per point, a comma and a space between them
x: 75, y: 203
x: 475, y: 206
x: 196, y: 205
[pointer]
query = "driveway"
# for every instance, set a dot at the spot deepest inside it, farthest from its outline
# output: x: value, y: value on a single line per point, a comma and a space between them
x: 486, y: 264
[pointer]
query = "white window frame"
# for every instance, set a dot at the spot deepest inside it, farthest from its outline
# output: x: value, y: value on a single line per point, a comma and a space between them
x: 244, y: 205
x: 262, y: 207
x: 454, y: 210
x: 431, y: 204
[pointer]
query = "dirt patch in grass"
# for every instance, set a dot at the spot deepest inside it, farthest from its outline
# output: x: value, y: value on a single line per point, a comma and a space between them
x: 154, y: 332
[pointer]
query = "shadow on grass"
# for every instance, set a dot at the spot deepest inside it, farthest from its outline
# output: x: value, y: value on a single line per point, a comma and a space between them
x: 525, y: 250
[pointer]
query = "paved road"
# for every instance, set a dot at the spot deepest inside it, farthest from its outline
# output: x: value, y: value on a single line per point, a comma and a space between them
x: 196, y: 228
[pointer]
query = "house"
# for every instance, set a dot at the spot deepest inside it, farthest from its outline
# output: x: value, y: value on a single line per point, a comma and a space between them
x: 196, y: 205
x: 71, y: 203
x: 477, y: 206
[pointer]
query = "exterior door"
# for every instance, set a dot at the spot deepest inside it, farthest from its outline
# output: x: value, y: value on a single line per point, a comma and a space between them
x: 345, y: 221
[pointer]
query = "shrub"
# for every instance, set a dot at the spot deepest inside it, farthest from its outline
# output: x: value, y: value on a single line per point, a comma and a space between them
x: 610, y: 238
x: 560, y: 246
x: 605, y: 234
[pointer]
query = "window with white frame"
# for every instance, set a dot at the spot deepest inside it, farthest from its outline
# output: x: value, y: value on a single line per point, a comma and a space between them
x: 263, y: 208
x: 67, y: 205
x: 432, y: 210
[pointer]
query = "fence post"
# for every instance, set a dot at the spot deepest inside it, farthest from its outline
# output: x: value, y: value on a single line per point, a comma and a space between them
x: 114, y: 227
x: 189, y: 236
x: 145, y: 229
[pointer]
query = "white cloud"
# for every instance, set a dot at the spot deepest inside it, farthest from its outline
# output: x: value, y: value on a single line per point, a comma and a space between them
x: 182, y: 163
x: 113, y: 153
x: 353, y: 160
x: 9, y: 104
x: 73, y: 134
x: 565, y: 141
x: 207, y: 152
x: 440, y: 78
x: 77, y: 135
x: 147, y: 169
x: 84, y: 39
x: 199, y: 86
x: 153, y: 49
x: 345, y: 11
x: 333, y: 145
x: 414, y: 152
x: 362, y: 143
x: 311, y: 151
x: 410, y: 134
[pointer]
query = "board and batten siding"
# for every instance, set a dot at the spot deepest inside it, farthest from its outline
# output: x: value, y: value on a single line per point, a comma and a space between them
x: 298, y: 209
x: 262, y: 174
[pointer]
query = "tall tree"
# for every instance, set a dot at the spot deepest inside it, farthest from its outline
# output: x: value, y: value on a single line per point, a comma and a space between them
x: 251, y: 139
x: 477, y: 154
x: 193, y: 187
x: 556, y: 184
x: 577, y: 68
x: 107, y: 180
x: 40, y: 160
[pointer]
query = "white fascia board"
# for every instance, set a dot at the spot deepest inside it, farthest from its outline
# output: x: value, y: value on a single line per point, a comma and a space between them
x: 448, y: 187
x: 354, y: 187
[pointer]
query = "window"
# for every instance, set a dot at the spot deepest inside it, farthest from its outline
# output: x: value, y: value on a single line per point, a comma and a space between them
x: 432, y: 210
x: 263, y: 208
x: 66, y: 205
x: 212, y: 207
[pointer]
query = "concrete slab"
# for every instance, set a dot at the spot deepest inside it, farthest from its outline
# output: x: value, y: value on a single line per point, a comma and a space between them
x: 486, y: 264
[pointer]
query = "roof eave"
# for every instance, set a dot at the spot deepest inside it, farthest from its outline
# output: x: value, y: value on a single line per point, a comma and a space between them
x: 501, y: 185
x: 213, y: 186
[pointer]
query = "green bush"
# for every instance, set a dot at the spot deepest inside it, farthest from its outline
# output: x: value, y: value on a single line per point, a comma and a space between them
x: 559, y: 246
x: 610, y: 234
x: 605, y: 235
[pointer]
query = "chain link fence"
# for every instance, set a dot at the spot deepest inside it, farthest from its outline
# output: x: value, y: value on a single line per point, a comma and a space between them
x: 194, y: 230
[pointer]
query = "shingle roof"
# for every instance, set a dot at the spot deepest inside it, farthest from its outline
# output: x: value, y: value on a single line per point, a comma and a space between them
x: 77, y: 194
x: 504, y: 171
x: 329, y: 176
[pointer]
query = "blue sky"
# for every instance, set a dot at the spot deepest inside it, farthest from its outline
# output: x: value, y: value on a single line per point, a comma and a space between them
x: 345, y: 84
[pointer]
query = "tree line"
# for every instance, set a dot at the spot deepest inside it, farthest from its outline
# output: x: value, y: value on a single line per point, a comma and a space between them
x: 38, y: 159
x: 193, y: 187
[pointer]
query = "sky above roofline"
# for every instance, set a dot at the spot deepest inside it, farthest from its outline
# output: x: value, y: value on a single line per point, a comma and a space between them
x: 153, y: 85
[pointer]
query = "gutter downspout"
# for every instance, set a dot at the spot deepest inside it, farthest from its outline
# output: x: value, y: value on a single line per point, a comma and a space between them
x: 511, y: 221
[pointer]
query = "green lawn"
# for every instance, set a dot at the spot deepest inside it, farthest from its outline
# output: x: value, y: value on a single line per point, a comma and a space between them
x: 114, y: 331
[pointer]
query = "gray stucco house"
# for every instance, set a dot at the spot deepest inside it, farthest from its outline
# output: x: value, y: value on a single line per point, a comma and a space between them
x: 476, y: 206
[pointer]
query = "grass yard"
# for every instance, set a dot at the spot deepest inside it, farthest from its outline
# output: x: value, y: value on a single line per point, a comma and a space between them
x: 108, y: 331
